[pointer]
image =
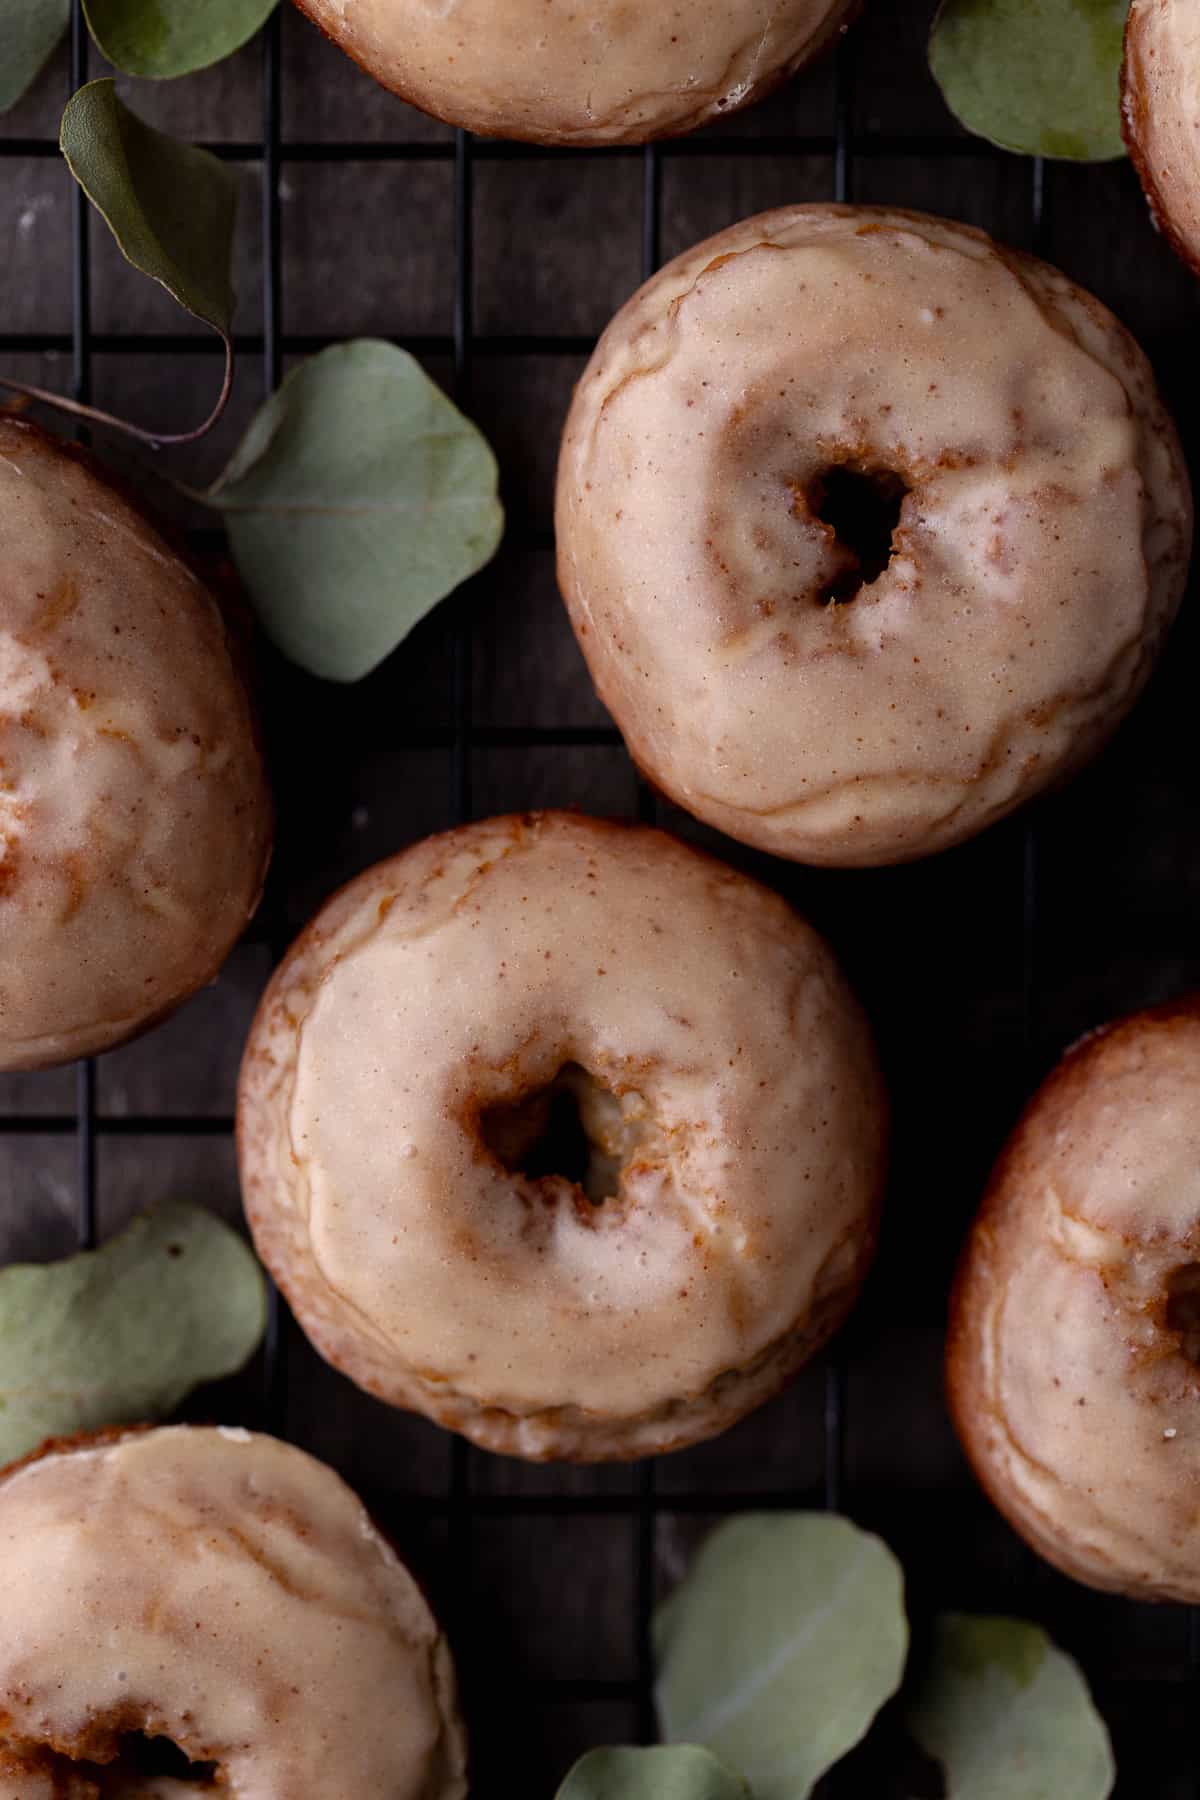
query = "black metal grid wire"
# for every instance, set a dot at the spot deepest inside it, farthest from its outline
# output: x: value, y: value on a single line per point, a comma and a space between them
x: 462, y: 1505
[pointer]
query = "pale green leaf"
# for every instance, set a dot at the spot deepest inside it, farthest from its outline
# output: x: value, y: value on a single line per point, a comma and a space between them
x: 30, y: 32
x: 163, y: 38
x: 780, y: 1646
x: 680, y: 1772
x: 121, y: 1334
x: 359, y: 498
x: 1037, y: 76
x: 1008, y: 1716
x: 169, y: 205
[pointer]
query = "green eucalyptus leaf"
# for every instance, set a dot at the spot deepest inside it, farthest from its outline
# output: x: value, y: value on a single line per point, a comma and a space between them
x: 171, y: 208
x: 121, y: 1334
x: 30, y: 33
x: 1008, y: 1715
x: 1041, y: 77
x: 359, y: 498
x: 169, y: 205
x: 678, y: 1772
x: 164, y: 38
x: 780, y: 1646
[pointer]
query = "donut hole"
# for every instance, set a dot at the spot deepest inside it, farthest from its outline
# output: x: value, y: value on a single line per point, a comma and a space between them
x: 574, y: 1129
x: 144, y: 1758
x: 861, y: 505
x: 140, y: 1763
x: 1183, y: 1308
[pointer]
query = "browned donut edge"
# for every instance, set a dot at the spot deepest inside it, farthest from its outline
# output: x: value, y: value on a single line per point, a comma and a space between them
x: 838, y: 23
x: 225, y: 591
x: 968, y: 1405
x: 1135, y: 125
x: 574, y: 1436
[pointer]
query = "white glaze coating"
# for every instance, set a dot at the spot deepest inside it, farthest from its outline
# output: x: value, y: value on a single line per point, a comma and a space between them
x: 134, y: 817
x: 1161, y: 106
x: 1068, y: 1374
x: 463, y: 975
x: 231, y: 1595
x: 1040, y: 554
x: 579, y: 71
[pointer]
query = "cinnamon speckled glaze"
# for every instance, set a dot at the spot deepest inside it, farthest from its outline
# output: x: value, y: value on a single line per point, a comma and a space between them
x: 230, y: 1593
x: 135, y: 822
x: 580, y: 71
x: 1160, y: 105
x: 1040, y: 552
x: 733, y: 1093
x: 1074, y: 1352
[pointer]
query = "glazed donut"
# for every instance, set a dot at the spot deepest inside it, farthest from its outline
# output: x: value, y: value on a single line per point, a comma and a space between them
x: 1160, y: 110
x: 600, y: 72
x: 869, y: 530
x: 1074, y: 1348
x: 135, y: 822
x: 563, y: 1134
x: 228, y: 1593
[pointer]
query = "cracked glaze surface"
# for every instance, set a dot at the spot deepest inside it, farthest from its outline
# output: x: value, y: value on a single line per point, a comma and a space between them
x: 579, y: 71
x: 229, y: 1592
x: 1068, y: 1377
x: 1160, y: 100
x: 134, y: 816
x: 1040, y: 554
x: 463, y: 975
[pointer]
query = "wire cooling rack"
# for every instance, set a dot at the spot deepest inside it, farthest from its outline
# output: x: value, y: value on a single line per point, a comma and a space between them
x: 1144, y: 1664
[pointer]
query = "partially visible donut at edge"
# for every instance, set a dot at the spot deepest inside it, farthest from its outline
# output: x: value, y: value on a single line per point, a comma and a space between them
x: 1160, y: 112
x: 1073, y: 1364
x: 869, y: 528
x: 135, y: 816
x: 595, y: 72
x: 396, y: 1092
x: 226, y: 1591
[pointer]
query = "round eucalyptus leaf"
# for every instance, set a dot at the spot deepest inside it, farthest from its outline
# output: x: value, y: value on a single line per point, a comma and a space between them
x: 780, y: 1645
x: 677, y: 1772
x: 1008, y: 1715
x: 359, y: 498
x: 164, y: 38
x: 121, y: 1334
x: 30, y: 33
x: 1041, y: 77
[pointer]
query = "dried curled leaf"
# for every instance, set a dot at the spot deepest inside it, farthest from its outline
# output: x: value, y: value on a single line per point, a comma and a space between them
x: 678, y: 1772
x: 1041, y: 77
x: 1008, y: 1715
x: 780, y: 1646
x: 30, y: 33
x: 122, y: 1334
x: 164, y: 38
x: 359, y: 498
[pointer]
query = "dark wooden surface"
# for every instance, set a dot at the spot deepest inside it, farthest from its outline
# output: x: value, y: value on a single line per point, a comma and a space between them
x: 941, y: 952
